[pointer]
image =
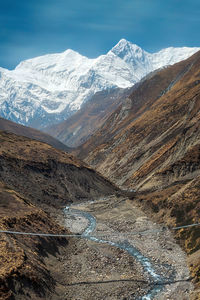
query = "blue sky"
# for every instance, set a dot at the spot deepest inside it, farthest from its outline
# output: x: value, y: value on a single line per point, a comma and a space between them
x: 30, y: 28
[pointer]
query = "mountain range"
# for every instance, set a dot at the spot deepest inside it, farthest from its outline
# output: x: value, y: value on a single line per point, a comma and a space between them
x: 47, y: 90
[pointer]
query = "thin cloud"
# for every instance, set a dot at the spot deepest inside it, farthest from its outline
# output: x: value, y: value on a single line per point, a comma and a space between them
x: 31, y: 28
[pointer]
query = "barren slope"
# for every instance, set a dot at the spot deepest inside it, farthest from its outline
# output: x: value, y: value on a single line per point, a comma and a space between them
x: 47, y: 175
x: 24, y: 273
x: 31, y: 133
x: 152, y: 143
x: 36, y: 181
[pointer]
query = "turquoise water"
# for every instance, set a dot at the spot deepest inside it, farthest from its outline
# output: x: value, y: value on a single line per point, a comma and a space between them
x: 157, y: 280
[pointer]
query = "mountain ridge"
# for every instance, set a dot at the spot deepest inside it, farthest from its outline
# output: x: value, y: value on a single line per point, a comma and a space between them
x: 9, y: 126
x: 48, y: 89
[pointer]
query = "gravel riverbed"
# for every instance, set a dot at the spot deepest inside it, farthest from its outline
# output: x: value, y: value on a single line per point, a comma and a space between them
x: 101, y: 271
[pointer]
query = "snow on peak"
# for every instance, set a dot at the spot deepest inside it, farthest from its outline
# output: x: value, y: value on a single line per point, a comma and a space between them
x: 48, y: 61
x: 124, y: 47
x: 172, y: 55
x: 134, y: 56
x: 49, y: 88
x: 121, y: 45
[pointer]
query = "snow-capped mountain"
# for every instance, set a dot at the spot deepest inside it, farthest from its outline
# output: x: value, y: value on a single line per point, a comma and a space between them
x: 48, y: 89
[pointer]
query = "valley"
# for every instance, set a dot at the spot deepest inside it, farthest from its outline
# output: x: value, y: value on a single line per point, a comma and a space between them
x: 128, y: 189
x: 122, y: 255
x: 150, y: 145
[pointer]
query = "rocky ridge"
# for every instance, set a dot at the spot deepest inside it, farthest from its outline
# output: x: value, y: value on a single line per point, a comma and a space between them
x: 47, y: 175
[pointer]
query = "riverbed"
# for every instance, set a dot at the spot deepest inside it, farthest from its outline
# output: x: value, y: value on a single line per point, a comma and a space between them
x: 131, y: 257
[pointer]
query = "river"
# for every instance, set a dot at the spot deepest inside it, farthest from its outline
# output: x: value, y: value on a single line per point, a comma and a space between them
x: 158, y: 279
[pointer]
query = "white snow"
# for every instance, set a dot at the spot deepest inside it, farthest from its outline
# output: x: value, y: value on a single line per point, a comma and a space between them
x: 50, y: 87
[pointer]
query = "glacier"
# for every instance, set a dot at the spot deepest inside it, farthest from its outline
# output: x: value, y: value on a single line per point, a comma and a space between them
x: 46, y: 90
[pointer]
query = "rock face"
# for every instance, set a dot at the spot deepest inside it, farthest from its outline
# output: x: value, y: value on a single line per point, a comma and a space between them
x: 46, y: 90
x: 36, y: 181
x: 151, y: 144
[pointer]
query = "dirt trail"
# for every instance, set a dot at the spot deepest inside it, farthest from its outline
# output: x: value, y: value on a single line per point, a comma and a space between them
x: 101, y: 271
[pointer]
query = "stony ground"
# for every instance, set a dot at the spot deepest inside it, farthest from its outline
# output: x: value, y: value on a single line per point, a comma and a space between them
x: 100, y: 271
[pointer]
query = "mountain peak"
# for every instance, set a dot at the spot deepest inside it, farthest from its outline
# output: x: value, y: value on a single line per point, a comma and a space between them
x: 124, y: 43
x: 124, y: 47
x: 70, y: 52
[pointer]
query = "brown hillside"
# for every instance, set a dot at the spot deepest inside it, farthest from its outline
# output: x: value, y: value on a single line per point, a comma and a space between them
x: 36, y: 181
x: 151, y: 144
x: 154, y: 132
x: 47, y: 175
x: 24, y: 272
x: 8, y: 126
